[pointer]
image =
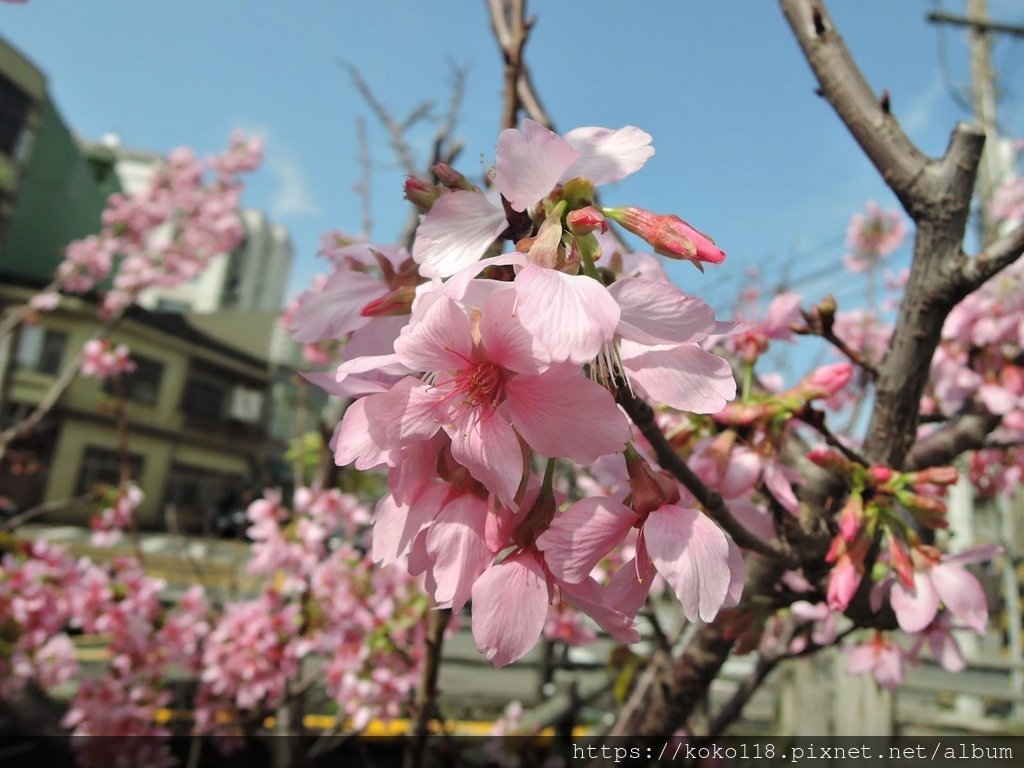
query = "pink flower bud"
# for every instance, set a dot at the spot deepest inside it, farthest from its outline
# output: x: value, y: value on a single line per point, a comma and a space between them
x: 881, y: 473
x: 586, y: 220
x: 668, y: 235
x: 649, y: 489
x: 829, y: 379
x: 421, y: 193
x: 450, y: 177
x: 899, y: 559
x: 936, y: 476
x: 851, y: 517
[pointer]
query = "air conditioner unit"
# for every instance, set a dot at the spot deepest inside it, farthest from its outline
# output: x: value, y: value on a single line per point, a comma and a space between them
x: 246, y: 405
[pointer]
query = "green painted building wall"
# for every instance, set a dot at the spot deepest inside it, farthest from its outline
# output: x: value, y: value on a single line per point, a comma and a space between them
x: 62, y: 194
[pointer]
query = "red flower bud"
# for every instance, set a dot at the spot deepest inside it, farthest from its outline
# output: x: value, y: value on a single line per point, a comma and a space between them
x: 880, y: 473
x: 668, y: 235
x: 421, y: 193
x: 935, y: 476
x: 827, y: 380
x: 450, y: 177
x: 585, y: 220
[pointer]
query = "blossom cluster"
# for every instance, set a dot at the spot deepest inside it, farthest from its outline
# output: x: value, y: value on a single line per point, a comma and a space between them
x: 163, y: 235
x: 477, y: 371
x: 322, y: 596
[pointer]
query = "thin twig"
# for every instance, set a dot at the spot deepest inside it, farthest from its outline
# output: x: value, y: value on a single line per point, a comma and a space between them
x: 47, y: 507
x: 56, y: 390
x: 999, y: 255
x: 365, y: 185
x: 643, y: 416
x: 734, y: 707
x: 396, y: 130
x: 426, y: 696
x: 816, y: 419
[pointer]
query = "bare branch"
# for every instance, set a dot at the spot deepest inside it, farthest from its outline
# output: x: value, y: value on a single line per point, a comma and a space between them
x: 365, y: 185
x: 426, y: 696
x: 999, y: 255
x: 48, y: 507
x: 967, y: 432
x: 394, y: 128
x: 879, y: 134
x: 57, y: 389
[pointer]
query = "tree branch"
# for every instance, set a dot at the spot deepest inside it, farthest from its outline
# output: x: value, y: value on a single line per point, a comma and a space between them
x: 999, y: 255
x: 426, y: 696
x: 967, y: 432
x: 669, y: 459
x: 395, y: 129
x: 56, y: 390
x: 511, y: 29
x: 878, y: 133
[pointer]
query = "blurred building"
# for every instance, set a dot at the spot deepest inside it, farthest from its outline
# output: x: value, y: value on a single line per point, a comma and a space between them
x: 252, y: 278
x: 196, y: 409
x: 204, y: 390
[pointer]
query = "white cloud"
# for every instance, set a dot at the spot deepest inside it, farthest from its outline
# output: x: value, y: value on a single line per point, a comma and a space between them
x: 293, y: 197
x: 923, y: 110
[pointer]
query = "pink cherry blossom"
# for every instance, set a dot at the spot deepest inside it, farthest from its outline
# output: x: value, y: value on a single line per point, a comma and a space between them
x: 882, y: 658
x: 873, y: 235
x: 942, y: 578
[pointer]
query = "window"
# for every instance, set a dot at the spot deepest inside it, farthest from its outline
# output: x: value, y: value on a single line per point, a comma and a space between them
x: 204, y: 398
x: 41, y: 349
x: 14, y: 104
x: 141, y: 385
x: 173, y: 305
x: 100, y: 465
x: 199, y: 496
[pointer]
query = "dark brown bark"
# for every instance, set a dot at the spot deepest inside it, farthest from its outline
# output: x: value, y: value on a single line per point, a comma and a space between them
x: 936, y: 193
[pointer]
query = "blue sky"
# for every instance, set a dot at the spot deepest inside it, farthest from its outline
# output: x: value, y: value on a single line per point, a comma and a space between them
x: 745, y: 150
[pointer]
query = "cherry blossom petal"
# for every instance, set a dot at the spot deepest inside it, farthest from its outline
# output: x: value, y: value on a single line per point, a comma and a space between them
x: 489, y: 449
x: 631, y: 584
x: 684, y: 377
x: 362, y: 439
x: 777, y: 481
x: 590, y: 598
x: 946, y: 650
x: 510, y: 605
x: 457, y: 231
x: 962, y: 595
x: 659, y: 313
x: 889, y: 668
x: 561, y: 413
x: 737, y: 572
x: 583, y: 534
x: 334, y: 311
x: 741, y: 473
x: 862, y: 659
x: 915, y: 609
x: 753, y: 518
x: 396, y: 525
x: 529, y: 164
x: 353, y: 386
x: 571, y: 315
x: 692, y: 555
x: 438, y: 340
x: 981, y: 553
x: 608, y: 155
x: 455, y: 544
x: 458, y: 284
x: 504, y: 338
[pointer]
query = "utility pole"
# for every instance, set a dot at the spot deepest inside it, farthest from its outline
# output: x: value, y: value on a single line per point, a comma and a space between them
x: 983, y: 89
x: 991, y: 171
